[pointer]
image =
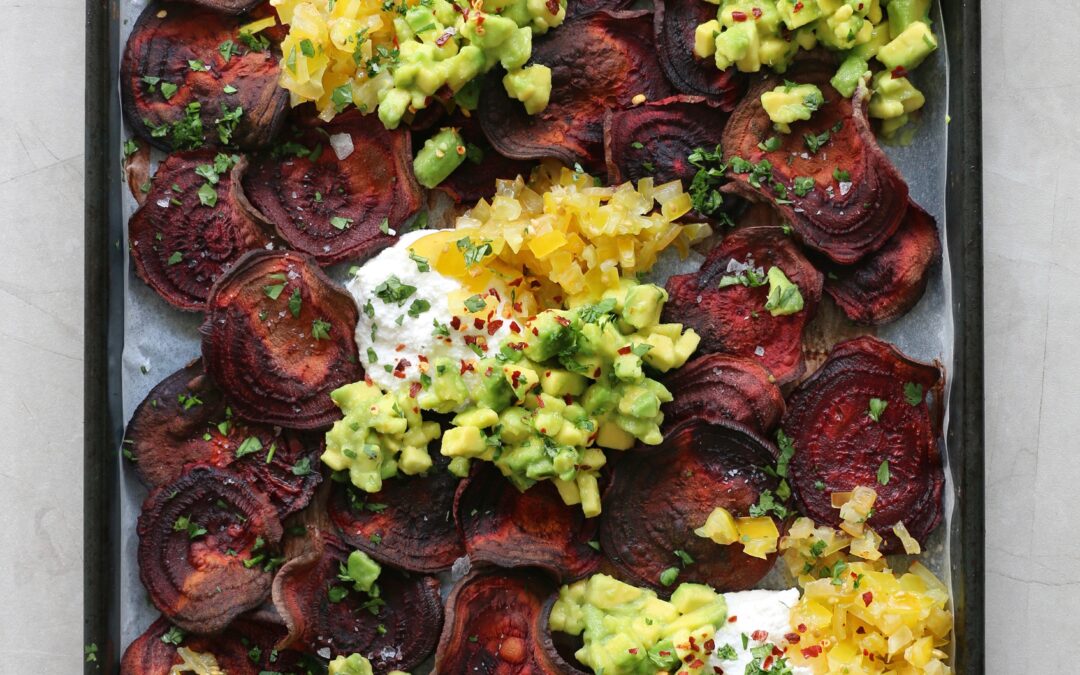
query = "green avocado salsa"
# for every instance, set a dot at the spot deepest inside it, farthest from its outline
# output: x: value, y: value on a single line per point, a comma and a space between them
x: 630, y: 631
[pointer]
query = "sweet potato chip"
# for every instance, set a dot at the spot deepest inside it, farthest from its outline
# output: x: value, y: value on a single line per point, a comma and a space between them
x: 828, y: 177
x: 206, y: 548
x: 886, y: 284
x: 862, y: 420
x: 395, y: 629
x: 659, y: 497
x: 185, y: 420
x: 718, y: 387
x: 191, y: 230
x: 509, y: 528
x: 599, y: 61
x: 278, y: 338
x: 675, y: 22
x: 336, y: 209
x: 187, y: 79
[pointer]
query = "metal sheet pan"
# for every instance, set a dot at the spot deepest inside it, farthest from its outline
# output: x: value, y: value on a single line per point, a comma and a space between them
x: 105, y: 288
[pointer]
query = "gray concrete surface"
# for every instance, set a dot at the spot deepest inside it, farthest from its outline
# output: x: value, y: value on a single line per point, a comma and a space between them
x: 1032, y: 147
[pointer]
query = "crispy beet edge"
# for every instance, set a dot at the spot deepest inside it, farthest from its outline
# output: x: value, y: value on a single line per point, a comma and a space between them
x: 492, y: 625
x: 163, y: 40
x: 411, y: 611
x: 337, y: 209
x: 278, y: 353
x: 509, y: 528
x: 888, y: 283
x: 557, y: 648
x: 658, y: 497
x: 475, y: 180
x: 583, y: 7
x: 733, y: 320
x: 718, y: 387
x: 227, y: 6
x: 675, y: 22
x: 655, y: 139
x: 411, y: 518
x: 191, y: 576
x: 838, y: 443
x: 181, y: 246
x: 844, y: 220
x: 598, y: 61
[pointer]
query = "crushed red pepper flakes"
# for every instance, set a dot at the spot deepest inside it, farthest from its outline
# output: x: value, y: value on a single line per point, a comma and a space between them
x: 414, y: 389
x: 792, y: 638
x: 811, y: 652
x: 738, y: 17
x: 760, y: 635
x: 867, y: 598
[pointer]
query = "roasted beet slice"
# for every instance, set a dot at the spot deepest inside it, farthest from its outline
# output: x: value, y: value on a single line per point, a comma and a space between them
x: 337, y: 209
x: 733, y: 319
x: 658, y: 498
x: 600, y: 61
x: 185, y: 420
x: 475, y: 178
x: 245, y: 648
x: 180, y: 244
x: 838, y: 443
x: 718, y: 387
x: 173, y: 106
x: 396, y: 632
x: 655, y: 139
x: 844, y: 215
x: 886, y: 284
x: 534, y: 528
x: 493, y: 625
x: 675, y: 22
x: 228, y: 6
x: 195, y: 536
x: 583, y: 7
x: 278, y: 338
x: 411, y: 518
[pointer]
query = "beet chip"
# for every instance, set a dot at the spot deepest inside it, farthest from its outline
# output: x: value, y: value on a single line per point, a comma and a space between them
x: 839, y: 444
x: 676, y: 21
x: 278, y: 338
x: 659, y: 497
x: 408, y: 524
x: 886, y: 284
x: 395, y: 630
x: 718, y: 387
x: 493, y: 625
x: 583, y: 7
x: 187, y: 78
x: 206, y: 548
x: 185, y: 420
x: 600, y: 61
x: 828, y: 177
x: 190, y: 230
x: 534, y: 528
x: 725, y: 302
x: 337, y: 209
x: 228, y: 6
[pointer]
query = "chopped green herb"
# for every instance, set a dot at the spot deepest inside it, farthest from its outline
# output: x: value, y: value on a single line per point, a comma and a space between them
x: 320, y: 330
x: 883, y: 473
x: 207, y: 195
x: 913, y: 393
x: 340, y: 222
x: 877, y: 406
x: 668, y: 576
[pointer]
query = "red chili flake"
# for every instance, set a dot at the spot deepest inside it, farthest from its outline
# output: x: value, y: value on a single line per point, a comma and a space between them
x: 732, y: 619
x: 455, y: 323
x: 543, y: 430
x: 860, y: 630
x: 718, y: 670
x: 689, y: 657
x: 517, y: 307
x: 399, y: 375
x: 899, y: 72
x: 562, y: 320
x: 632, y: 650
x: 801, y: 628
x: 402, y: 364
x: 536, y: 332
x: 558, y: 299
x: 766, y: 665
x: 466, y: 366
x: 596, y: 374
x: 756, y: 12
x: 400, y: 347
x: 797, y: 8
x: 865, y: 652
x: 478, y: 323
x: 495, y: 294
x: 489, y: 371
x: 517, y: 346
x: 777, y: 651
x: 738, y: 16
x: 547, y: 373
x: 414, y: 389
x: 664, y: 652
x: 479, y: 20
x: 811, y: 652
x: 368, y: 380
x: 490, y: 314
x: 792, y: 638
x: 867, y: 598
x: 760, y: 635
x: 698, y: 664
x: 693, y: 643
x: 516, y: 282
x: 514, y: 327
x: 539, y: 402
x: 421, y: 358
x: 534, y: 283
x: 625, y: 350
x: 445, y: 37
x: 568, y: 399
x: 515, y: 377
x: 709, y: 645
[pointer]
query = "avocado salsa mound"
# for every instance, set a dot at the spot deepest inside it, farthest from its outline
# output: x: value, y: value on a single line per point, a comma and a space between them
x: 535, y: 336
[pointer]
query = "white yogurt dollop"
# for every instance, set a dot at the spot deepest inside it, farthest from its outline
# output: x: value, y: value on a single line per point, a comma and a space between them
x: 764, y: 618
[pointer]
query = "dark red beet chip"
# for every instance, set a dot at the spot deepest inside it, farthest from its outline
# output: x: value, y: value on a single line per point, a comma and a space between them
x: 246, y: 647
x: 493, y: 625
x: 509, y: 528
x: 658, y: 498
x: 598, y: 62
x: 583, y: 7
x: 411, y: 518
x: 336, y: 209
x: 655, y: 139
x: 179, y: 244
x: 675, y: 22
x: 838, y: 443
x: 185, y: 420
x: 475, y: 178
x: 278, y: 338
x: 228, y: 6
x: 176, y: 107
x: 396, y: 632
x: 886, y: 284
x: 195, y: 536
x: 844, y: 219
x: 733, y: 320
x: 718, y: 387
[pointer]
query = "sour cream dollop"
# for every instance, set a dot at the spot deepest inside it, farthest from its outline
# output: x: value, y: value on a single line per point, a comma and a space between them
x: 764, y: 618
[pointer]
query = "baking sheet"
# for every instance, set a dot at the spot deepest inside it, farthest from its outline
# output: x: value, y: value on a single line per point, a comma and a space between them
x: 159, y: 340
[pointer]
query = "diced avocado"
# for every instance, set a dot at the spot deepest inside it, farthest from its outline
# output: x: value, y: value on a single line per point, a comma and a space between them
x: 530, y: 85
x: 354, y: 664
x: 738, y: 45
x: 661, y: 354
x: 413, y: 460
x: 879, y: 37
x: 515, y: 425
x: 558, y: 382
x: 552, y: 333
x: 691, y: 597
x: 589, y: 489
x: 599, y: 399
x: 516, y: 50
x: 639, y: 402
x: 643, y: 305
x: 784, y: 297
x: 851, y: 72
x: 522, y: 379
x: 481, y: 418
x: 908, y: 49
x: 613, y: 437
x: 627, y: 367
x: 685, y: 347
x: 362, y: 571
x: 720, y: 527
x: 494, y: 391
x: 463, y: 442
x: 705, y: 39
x: 893, y: 97
x: 796, y: 15
x: 902, y: 13
x: 441, y: 154
x: 447, y: 391
x: 459, y: 466
x: 791, y: 103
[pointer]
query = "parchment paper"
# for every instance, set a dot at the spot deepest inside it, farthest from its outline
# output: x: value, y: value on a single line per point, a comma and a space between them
x: 160, y: 339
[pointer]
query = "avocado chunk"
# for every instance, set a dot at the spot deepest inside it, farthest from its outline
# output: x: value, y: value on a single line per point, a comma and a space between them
x: 441, y: 154
x: 908, y: 49
x: 851, y: 72
x: 353, y: 664
x: 790, y: 103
